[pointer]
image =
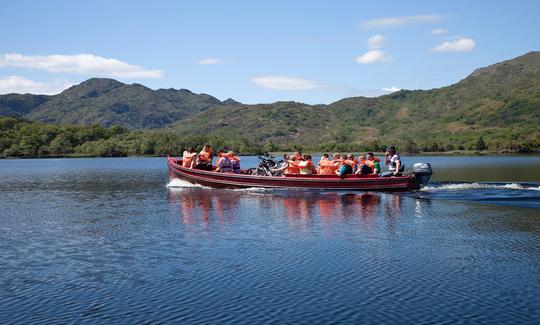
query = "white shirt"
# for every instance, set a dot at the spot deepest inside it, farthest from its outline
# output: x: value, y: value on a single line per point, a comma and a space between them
x: 393, y: 160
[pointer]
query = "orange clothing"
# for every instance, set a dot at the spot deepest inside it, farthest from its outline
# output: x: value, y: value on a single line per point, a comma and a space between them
x: 205, y: 156
x: 187, y: 158
x: 292, y: 167
x: 307, y: 167
x: 327, y: 167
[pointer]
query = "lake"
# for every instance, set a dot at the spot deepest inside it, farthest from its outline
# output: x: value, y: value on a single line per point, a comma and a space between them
x: 110, y: 240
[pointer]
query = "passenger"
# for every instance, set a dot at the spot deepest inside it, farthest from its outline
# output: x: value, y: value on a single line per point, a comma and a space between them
x: 223, y: 164
x: 373, y: 163
x: 189, y: 157
x: 298, y: 156
x: 205, y: 158
x: 327, y: 166
x: 364, y: 167
x: 235, y: 160
x: 392, y: 159
x: 350, y: 158
x: 292, y: 166
x: 279, y: 170
x: 306, y: 166
x: 346, y: 167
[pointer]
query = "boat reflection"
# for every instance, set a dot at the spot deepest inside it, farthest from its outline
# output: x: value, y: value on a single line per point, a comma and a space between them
x: 226, y: 206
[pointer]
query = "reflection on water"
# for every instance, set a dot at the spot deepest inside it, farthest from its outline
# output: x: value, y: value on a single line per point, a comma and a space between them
x: 104, y: 241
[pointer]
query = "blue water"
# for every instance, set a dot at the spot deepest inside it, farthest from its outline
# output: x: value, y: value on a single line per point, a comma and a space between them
x: 106, y: 240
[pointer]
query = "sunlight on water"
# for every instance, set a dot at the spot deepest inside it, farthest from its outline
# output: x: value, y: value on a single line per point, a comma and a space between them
x: 473, y: 186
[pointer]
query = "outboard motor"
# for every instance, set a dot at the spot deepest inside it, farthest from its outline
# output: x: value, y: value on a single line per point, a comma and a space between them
x: 422, y: 173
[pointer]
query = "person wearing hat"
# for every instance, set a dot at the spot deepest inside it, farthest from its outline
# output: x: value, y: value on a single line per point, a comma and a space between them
x: 392, y: 158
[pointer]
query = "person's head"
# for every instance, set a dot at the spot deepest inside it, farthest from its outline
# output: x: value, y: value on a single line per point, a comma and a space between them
x: 391, y: 150
x: 343, y: 156
x: 298, y: 154
x: 325, y: 156
x: 293, y: 158
x: 307, y: 157
x: 350, y: 156
x: 369, y: 156
x: 230, y: 154
x: 191, y: 150
x: 206, y: 146
x: 335, y: 156
x: 286, y: 156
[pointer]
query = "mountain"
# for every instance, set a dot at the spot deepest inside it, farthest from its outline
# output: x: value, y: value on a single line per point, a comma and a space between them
x: 500, y: 103
x: 108, y: 102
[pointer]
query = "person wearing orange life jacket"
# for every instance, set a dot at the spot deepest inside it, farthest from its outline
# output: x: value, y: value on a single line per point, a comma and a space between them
x: 292, y: 166
x: 327, y: 166
x: 346, y: 167
x: 373, y: 163
x: 205, y: 158
x: 189, y: 157
x: 235, y: 160
x: 223, y: 164
x: 306, y: 166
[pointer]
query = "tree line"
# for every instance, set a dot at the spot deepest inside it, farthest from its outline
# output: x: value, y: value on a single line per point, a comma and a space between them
x: 23, y: 138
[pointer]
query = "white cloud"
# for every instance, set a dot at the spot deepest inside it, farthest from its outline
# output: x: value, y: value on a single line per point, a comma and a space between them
x: 21, y: 85
x: 372, y: 57
x: 439, y: 31
x: 401, y: 20
x: 459, y: 45
x: 210, y: 61
x: 375, y: 42
x: 392, y: 89
x: 286, y: 83
x: 84, y: 64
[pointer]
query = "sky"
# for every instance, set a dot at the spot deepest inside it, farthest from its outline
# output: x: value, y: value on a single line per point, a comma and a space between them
x: 260, y: 52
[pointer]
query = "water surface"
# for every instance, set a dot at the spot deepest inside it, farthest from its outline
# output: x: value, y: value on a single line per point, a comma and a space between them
x: 105, y: 240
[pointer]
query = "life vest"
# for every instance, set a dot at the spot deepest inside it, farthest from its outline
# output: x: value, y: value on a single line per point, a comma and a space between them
x: 306, y: 167
x: 371, y: 163
x: 205, y: 156
x: 187, y: 158
x: 327, y: 167
x: 349, y: 162
x: 292, y: 167
x: 224, y: 165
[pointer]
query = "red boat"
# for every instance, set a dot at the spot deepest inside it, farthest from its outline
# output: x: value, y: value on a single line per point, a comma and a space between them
x: 413, y: 181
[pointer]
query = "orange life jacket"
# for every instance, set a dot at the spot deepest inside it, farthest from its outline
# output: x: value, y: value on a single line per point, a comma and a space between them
x: 205, y: 155
x: 292, y: 167
x: 306, y: 167
x: 327, y: 167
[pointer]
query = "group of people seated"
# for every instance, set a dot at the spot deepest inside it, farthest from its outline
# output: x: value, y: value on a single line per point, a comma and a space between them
x: 299, y: 163
x: 227, y: 162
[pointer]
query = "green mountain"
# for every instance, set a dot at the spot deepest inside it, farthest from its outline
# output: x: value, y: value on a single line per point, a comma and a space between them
x: 499, y: 104
x: 108, y: 102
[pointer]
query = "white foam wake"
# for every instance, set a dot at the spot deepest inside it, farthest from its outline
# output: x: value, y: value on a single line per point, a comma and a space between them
x: 180, y: 183
x: 472, y: 186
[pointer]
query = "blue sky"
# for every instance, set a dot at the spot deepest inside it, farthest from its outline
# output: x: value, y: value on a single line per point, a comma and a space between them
x: 255, y: 52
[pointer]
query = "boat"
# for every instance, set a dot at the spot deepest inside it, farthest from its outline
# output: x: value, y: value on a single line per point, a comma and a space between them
x: 408, y: 182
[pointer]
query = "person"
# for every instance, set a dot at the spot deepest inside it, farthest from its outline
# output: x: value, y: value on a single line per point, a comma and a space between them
x: 189, y: 157
x: 353, y: 162
x: 373, y: 163
x: 346, y: 167
x: 369, y: 165
x: 292, y: 166
x: 205, y: 158
x: 327, y: 166
x: 306, y: 165
x: 223, y: 164
x: 235, y: 161
x: 392, y: 158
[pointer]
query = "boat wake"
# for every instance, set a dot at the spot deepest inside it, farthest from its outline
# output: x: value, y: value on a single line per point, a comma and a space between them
x: 179, y: 184
x: 514, y: 194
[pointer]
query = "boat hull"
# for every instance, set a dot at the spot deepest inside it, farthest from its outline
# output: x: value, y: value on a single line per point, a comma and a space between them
x: 313, y: 182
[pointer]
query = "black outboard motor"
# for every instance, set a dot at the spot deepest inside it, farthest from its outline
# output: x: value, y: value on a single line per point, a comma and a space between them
x: 422, y: 173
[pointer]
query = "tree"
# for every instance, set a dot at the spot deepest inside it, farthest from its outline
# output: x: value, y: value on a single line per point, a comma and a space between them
x: 480, y: 144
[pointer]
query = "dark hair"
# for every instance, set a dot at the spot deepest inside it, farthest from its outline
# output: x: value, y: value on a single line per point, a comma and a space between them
x: 391, y: 148
x: 325, y: 155
x: 370, y: 154
x: 191, y: 149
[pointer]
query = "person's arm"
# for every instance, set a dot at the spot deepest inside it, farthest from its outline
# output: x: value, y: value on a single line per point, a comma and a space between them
x: 398, y: 165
